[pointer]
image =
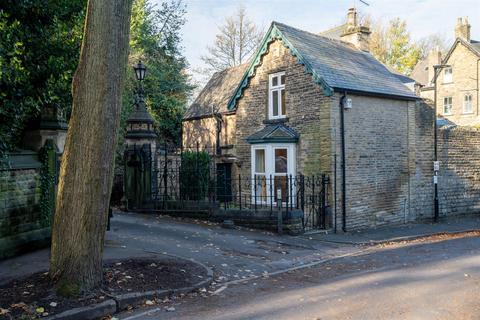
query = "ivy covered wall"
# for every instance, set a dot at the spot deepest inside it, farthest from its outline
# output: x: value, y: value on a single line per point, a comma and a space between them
x: 27, y: 200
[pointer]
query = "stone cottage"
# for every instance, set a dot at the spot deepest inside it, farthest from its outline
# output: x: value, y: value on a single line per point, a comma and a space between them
x: 320, y: 104
x: 457, y: 85
x: 308, y: 104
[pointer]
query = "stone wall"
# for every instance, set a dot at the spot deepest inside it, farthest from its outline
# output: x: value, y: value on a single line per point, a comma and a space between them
x: 421, y: 193
x: 201, y: 131
x: 378, y: 135
x: 204, y: 131
x: 459, y: 176
x: 23, y: 226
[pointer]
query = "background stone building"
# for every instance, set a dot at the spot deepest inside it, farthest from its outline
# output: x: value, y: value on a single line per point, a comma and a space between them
x: 457, y: 85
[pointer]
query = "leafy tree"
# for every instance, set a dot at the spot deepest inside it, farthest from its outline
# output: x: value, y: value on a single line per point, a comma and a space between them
x: 155, y: 39
x: 392, y: 45
x: 431, y: 42
x: 87, y: 164
x: 39, y: 50
x: 237, y: 39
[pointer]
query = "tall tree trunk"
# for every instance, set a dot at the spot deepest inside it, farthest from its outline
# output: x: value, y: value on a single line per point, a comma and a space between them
x: 87, y: 165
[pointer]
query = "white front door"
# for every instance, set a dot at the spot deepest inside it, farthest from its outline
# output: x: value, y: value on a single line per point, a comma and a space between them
x: 272, y: 165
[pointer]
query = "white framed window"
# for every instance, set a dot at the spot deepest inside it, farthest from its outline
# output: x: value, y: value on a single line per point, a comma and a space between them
x: 467, y: 103
x: 447, y: 105
x: 276, y: 96
x: 448, y: 75
x: 272, y: 165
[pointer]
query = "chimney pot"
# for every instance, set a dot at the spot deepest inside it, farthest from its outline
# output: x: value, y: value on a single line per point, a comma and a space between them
x: 354, y: 33
x: 462, y: 29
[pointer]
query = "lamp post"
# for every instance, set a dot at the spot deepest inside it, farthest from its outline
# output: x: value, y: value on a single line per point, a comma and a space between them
x: 140, y: 145
x: 436, y: 164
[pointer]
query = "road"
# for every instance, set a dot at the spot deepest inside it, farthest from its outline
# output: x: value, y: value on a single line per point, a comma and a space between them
x: 430, y: 279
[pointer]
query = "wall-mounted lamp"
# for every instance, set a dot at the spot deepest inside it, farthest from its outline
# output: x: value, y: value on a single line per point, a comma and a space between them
x: 347, y: 103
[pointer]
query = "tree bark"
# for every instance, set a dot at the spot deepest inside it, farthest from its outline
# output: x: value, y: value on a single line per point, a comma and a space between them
x: 87, y: 164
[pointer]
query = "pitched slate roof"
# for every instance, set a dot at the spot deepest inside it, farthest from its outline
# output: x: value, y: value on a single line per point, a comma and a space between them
x: 274, y: 133
x: 420, y: 72
x: 343, y: 66
x: 217, y: 92
x: 334, y: 64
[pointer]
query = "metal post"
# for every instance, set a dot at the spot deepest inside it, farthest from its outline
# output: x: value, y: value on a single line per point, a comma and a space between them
x: 335, y: 191
x: 224, y: 187
x: 165, y: 176
x: 255, y: 191
x: 436, y: 69
x: 435, y: 143
x: 240, y: 190
x: 279, y: 212
x: 286, y: 191
x: 271, y: 194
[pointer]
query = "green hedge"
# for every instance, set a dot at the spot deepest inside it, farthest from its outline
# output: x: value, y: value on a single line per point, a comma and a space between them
x: 195, y: 175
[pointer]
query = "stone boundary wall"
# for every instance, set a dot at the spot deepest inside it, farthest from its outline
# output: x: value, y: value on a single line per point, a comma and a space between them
x: 459, y: 176
x: 23, y: 226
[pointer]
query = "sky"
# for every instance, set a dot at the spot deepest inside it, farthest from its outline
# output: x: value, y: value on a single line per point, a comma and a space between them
x: 423, y: 17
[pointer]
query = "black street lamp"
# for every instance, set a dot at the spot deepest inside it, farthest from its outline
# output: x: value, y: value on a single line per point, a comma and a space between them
x: 140, y: 70
x: 436, y: 164
x: 140, y: 122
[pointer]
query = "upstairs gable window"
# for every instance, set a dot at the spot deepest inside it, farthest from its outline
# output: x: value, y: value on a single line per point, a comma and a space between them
x: 276, y: 96
x: 448, y: 75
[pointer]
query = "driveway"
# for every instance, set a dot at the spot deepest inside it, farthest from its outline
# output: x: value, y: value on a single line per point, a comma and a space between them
x: 232, y: 254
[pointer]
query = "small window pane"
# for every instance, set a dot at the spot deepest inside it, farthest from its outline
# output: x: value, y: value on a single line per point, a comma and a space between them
x: 260, y: 160
x: 282, y: 79
x: 284, y: 109
x: 274, y: 81
x: 281, y: 161
x: 275, y: 103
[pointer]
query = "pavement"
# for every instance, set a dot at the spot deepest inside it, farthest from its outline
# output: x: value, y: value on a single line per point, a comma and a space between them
x: 401, y: 232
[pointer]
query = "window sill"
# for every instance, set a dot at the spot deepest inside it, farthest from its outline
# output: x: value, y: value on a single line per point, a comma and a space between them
x: 468, y: 114
x: 447, y: 82
x: 276, y: 120
x: 448, y: 114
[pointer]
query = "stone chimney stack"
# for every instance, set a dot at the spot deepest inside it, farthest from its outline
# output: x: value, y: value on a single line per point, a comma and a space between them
x: 462, y: 29
x: 434, y: 58
x: 352, y: 19
x: 354, y: 33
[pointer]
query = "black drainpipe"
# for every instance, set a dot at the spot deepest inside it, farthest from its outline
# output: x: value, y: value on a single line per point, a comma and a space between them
x: 344, y: 178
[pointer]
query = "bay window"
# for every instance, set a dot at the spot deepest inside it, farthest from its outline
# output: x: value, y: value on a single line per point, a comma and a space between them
x: 271, y: 164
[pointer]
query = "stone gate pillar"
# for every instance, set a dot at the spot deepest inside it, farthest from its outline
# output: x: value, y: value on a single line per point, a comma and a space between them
x: 139, y: 157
